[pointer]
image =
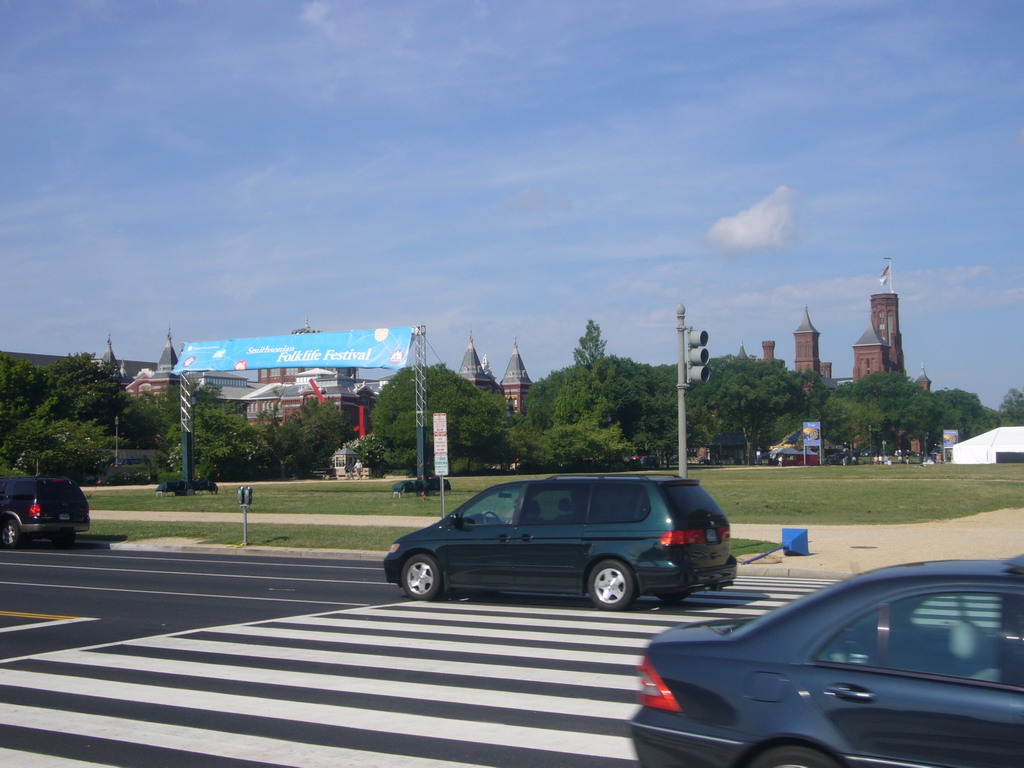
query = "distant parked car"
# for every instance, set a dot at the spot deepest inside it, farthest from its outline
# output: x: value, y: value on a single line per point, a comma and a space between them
x: 914, y: 665
x: 612, y: 537
x: 180, y: 487
x: 41, y: 507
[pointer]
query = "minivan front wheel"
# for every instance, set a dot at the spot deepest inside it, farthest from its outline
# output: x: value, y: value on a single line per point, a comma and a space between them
x: 612, y: 586
x: 421, y: 578
x: 10, y: 534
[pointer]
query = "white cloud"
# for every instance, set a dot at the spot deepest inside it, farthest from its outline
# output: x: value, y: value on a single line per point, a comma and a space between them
x: 767, y: 225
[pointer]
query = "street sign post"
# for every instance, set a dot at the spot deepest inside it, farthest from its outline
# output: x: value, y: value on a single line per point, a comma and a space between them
x: 441, y: 452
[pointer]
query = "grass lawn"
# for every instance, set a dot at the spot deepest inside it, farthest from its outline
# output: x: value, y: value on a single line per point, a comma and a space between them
x: 865, y: 494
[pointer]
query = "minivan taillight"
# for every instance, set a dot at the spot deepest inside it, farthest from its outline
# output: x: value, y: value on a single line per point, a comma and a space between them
x: 724, y: 533
x: 675, y: 538
x: 653, y: 691
x: 35, y: 510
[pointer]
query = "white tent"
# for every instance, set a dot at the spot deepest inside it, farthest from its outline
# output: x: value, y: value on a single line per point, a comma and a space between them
x: 1000, y: 446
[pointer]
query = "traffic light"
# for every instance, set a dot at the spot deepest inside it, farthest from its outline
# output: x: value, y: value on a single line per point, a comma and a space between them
x: 697, y: 357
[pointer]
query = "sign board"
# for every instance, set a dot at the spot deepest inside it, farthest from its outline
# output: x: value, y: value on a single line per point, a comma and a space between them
x: 378, y: 348
x: 440, y: 444
x: 440, y: 464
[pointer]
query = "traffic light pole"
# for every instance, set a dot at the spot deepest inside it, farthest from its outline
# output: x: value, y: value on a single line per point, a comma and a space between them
x: 681, y: 385
x: 693, y: 369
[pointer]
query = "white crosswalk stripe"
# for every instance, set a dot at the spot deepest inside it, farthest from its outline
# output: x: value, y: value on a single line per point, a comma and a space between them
x: 418, y: 685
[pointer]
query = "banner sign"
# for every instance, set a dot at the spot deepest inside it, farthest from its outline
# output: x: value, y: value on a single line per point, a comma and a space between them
x: 380, y: 348
x: 950, y: 437
x: 812, y: 434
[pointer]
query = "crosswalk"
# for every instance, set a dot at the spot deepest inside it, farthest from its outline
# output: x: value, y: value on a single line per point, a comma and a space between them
x: 506, y: 682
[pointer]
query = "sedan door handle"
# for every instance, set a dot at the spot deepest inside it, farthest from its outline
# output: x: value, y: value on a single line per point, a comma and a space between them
x: 849, y: 692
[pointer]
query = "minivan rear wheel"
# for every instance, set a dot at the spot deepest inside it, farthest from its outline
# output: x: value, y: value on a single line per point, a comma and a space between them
x: 421, y: 578
x: 611, y: 586
x: 10, y: 534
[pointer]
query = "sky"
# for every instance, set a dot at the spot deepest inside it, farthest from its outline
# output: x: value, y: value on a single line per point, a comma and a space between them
x: 513, y: 169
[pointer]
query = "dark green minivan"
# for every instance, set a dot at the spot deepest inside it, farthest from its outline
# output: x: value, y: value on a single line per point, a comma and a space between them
x: 613, y: 537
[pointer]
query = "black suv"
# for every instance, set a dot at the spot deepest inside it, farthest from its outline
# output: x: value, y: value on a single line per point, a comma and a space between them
x: 613, y: 537
x: 44, y: 507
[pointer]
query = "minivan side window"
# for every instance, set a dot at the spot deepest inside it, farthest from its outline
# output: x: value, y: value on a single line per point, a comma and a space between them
x: 619, y: 503
x: 555, y: 504
x: 495, y: 507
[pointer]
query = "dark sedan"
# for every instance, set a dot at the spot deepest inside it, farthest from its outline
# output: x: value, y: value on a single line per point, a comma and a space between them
x: 911, y: 666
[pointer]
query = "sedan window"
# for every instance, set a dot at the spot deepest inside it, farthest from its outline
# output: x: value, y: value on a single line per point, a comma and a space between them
x: 958, y: 634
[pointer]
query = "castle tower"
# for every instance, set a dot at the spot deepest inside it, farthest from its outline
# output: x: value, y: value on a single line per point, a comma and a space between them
x: 885, y: 317
x: 870, y: 354
x: 923, y: 381
x: 516, y: 382
x: 474, y: 372
x: 806, y: 337
x: 767, y: 350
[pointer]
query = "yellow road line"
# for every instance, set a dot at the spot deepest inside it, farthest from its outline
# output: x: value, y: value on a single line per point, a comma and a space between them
x: 36, y: 616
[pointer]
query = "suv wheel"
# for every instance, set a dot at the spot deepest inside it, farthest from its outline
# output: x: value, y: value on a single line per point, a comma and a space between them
x: 421, y: 578
x: 612, y: 586
x: 10, y: 534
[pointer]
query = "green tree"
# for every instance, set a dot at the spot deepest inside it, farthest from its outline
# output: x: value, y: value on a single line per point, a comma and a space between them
x: 84, y: 389
x: 1012, y: 409
x: 963, y: 411
x: 749, y: 396
x: 372, y: 451
x: 587, y: 445
x: 22, y: 390
x: 591, y: 346
x: 39, y: 445
x: 477, y: 425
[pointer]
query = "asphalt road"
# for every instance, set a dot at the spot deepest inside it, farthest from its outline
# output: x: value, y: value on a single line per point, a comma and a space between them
x: 229, y: 660
x: 52, y: 599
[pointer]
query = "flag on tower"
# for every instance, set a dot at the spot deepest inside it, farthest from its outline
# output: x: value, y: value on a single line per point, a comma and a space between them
x: 885, y: 275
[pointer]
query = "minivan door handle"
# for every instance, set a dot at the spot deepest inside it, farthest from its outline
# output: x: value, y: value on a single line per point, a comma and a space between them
x: 849, y: 692
x: 503, y: 538
x: 527, y: 537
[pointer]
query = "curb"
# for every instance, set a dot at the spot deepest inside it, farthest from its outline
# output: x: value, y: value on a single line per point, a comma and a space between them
x: 354, y: 554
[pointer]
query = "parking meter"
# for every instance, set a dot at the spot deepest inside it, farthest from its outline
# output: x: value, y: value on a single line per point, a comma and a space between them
x: 245, y: 501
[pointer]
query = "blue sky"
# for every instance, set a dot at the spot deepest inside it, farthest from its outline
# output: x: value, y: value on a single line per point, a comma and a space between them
x: 516, y: 168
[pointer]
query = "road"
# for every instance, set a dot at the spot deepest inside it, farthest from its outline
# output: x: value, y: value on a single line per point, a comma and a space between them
x: 168, y: 659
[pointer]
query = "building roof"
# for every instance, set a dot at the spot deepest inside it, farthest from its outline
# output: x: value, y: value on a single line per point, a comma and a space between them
x: 515, y: 373
x: 806, y: 325
x: 472, y: 369
x: 870, y: 338
x: 168, y: 358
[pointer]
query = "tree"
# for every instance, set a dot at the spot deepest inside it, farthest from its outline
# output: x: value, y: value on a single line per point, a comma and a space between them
x: 748, y: 396
x: 22, y: 390
x: 1012, y: 409
x: 591, y: 347
x: 44, y: 446
x: 372, y: 451
x: 84, y: 389
x: 477, y: 426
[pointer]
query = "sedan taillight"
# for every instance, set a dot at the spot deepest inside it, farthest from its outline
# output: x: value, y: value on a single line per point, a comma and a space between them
x: 653, y: 691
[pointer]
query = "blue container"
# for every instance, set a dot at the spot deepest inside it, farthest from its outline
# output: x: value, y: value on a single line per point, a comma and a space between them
x: 794, y: 541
